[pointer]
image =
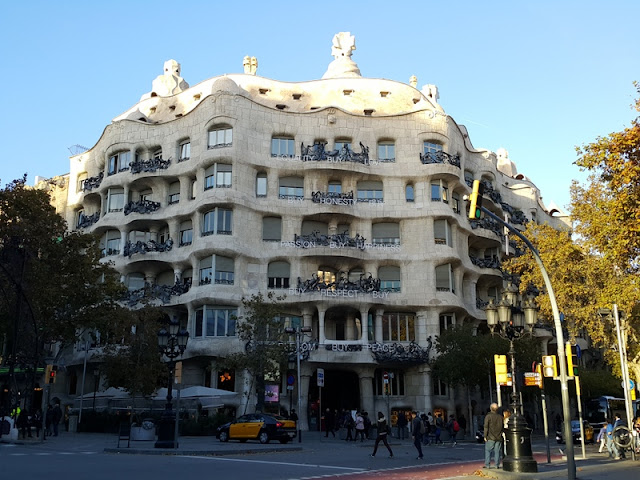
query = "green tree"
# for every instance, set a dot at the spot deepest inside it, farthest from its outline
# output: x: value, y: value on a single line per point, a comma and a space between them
x: 601, y: 265
x: 130, y: 352
x: 266, y: 345
x: 466, y: 359
x: 52, y: 283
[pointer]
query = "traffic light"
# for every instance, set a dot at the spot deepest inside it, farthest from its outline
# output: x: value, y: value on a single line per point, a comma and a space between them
x: 475, y: 200
x: 50, y: 373
x: 501, y: 369
x: 177, y: 375
x: 572, y: 360
x: 549, y: 366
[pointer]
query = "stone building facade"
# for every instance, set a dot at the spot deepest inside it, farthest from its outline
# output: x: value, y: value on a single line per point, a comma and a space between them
x: 345, y: 194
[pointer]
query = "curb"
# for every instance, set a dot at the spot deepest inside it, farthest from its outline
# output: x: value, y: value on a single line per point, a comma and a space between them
x: 200, y: 453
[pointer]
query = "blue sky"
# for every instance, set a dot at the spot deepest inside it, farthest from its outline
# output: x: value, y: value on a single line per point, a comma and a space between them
x: 536, y: 77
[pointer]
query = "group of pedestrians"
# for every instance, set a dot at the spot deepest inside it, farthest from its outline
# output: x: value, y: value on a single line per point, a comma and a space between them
x: 356, y: 426
x: 606, y: 436
x: 25, y: 421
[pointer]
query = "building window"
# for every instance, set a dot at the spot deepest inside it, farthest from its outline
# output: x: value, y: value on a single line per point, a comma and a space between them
x: 206, y: 271
x: 310, y: 227
x: 439, y: 387
x: 111, y: 243
x: 291, y: 188
x: 409, y: 193
x: 224, y: 270
x: 145, y: 195
x: 282, y: 147
x: 80, y: 183
x: 395, y: 385
x: 444, y: 278
x: 271, y: 229
x: 370, y: 191
x: 468, y: 178
x: 221, y: 137
x: 432, y: 151
x: 398, y: 327
x: 186, y: 233
x: 386, y: 152
x: 219, y: 221
x: 119, y: 162
x: 278, y: 275
x: 115, y: 200
x: 135, y: 281
x: 389, y: 278
x: 79, y: 217
x: 174, y: 193
x: 185, y: 151
x: 217, y: 175
x: 157, y: 154
x: 340, y: 144
x: 439, y: 191
x: 212, y: 321
x: 261, y: 185
x: 455, y: 202
x: 335, y: 187
x: 447, y: 321
x: 442, y: 232
x: 385, y: 233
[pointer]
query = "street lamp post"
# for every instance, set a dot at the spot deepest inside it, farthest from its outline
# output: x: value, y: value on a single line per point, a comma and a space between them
x: 96, y: 384
x: 171, y: 343
x: 299, y: 332
x: 515, y: 319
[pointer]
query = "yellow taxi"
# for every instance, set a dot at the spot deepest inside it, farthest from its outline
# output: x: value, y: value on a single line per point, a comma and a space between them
x: 258, y: 426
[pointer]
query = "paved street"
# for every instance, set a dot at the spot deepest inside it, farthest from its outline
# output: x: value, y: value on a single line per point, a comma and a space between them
x: 96, y: 457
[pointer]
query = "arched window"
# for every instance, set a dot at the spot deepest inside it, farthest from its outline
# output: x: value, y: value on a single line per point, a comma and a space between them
x: 218, y: 221
x: 184, y: 150
x: 409, y: 193
x: 217, y: 175
x: 439, y: 191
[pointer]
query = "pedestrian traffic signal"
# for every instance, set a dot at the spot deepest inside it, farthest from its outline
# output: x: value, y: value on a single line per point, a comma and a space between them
x: 475, y: 200
x: 50, y: 374
x: 572, y: 360
x: 549, y: 366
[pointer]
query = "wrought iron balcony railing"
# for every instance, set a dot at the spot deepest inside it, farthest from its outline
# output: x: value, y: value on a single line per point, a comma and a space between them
x: 92, y: 182
x: 141, y: 206
x: 440, y: 157
x: 149, y: 166
x: 132, y: 248
x: 318, y: 153
x: 87, y: 220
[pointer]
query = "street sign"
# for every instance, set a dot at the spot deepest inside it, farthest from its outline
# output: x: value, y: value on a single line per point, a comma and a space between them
x: 531, y: 379
x: 291, y: 380
x: 506, y: 382
x: 631, y: 384
x: 320, y: 377
x: 385, y: 377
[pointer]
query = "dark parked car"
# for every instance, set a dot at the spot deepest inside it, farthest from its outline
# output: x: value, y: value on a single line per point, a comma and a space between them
x: 589, y: 436
x: 258, y: 426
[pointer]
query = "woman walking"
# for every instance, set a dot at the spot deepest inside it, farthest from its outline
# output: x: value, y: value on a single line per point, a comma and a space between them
x: 383, y: 430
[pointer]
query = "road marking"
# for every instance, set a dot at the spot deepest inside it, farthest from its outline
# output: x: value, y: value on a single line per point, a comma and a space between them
x: 290, y: 464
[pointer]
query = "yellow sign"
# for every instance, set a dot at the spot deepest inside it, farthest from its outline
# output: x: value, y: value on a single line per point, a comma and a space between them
x: 501, y: 368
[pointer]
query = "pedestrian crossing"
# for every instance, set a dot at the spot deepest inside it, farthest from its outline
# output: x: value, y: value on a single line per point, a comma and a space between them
x: 9, y: 450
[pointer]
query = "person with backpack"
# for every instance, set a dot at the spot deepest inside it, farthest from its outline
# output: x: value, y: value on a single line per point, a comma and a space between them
x: 417, y: 430
x: 439, y: 424
x: 383, y: 431
x: 453, y: 427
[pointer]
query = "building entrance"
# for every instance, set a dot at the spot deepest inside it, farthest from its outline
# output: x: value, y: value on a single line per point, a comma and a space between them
x: 341, y: 390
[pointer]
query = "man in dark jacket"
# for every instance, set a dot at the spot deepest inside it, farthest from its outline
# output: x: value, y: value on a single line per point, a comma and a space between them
x: 493, y: 426
x: 416, y: 432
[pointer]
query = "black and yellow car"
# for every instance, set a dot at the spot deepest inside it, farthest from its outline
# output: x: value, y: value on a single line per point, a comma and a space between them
x: 258, y: 426
x: 589, y: 434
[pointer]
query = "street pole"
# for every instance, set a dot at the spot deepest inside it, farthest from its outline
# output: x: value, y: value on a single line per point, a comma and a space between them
x: 564, y: 386
x: 545, y: 421
x: 299, y: 386
x: 625, y: 374
x: 84, y: 375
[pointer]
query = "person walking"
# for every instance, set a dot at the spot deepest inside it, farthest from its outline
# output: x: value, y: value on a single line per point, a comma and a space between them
x: 37, y: 422
x: 359, y: 427
x: 329, y: 423
x: 402, y: 425
x: 56, y: 416
x: 439, y: 424
x: 383, y: 431
x: 48, y: 431
x: 463, y: 425
x: 602, y: 437
x: 367, y: 424
x: 493, y: 426
x: 453, y: 427
x: 349, y: 423
x: 417, y: 430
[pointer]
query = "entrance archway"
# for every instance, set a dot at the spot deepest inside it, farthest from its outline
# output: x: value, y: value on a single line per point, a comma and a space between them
x: 341, y: 390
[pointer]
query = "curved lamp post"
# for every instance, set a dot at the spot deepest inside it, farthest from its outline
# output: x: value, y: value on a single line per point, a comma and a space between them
x: 515, y: 319
x: 171, y: 343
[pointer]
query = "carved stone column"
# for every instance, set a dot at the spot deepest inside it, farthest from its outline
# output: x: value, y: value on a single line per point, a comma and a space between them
x: 367, y: 402
x: 364, y: 322
x: 378, y: 326
x: 321, y: 334
x: 303, y: 416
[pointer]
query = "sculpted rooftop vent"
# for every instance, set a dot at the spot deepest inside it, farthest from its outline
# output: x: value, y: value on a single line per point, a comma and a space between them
x: 368, y: 112
x: 281, y: 106
x: 296, y: 96
x: 347, y: 92
x: 263, y: 91
x: 172, y: 108
x: 314, y: 108
x: 196, y: 96
x: 384, y: 94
